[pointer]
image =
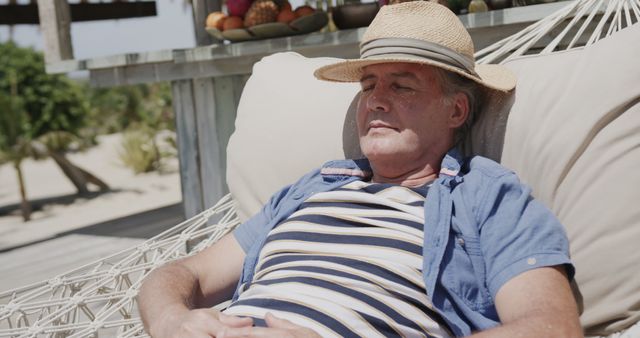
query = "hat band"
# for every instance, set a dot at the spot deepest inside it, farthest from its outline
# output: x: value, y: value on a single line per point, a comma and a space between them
x: 414, y: 47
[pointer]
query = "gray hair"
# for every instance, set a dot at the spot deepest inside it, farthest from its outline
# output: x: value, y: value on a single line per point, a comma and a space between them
x: 452, y: 83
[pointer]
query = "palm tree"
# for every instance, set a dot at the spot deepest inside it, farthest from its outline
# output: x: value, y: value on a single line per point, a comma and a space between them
x: 15, y: 138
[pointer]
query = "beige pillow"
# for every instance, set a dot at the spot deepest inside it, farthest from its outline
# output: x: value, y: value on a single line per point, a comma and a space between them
x: 573, y: 135
x: 288, y: 123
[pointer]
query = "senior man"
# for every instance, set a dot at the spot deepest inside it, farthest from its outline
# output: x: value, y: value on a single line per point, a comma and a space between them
x: 410, y: 241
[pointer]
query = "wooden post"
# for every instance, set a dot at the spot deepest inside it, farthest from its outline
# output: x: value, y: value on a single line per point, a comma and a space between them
x: 55, y: 23
x: 205, y: 115
x: 201, y: 8
x: 186, y: 130
x: 210, y: 147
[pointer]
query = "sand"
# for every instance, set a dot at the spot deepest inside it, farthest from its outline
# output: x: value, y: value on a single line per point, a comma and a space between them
x: 130, y: 194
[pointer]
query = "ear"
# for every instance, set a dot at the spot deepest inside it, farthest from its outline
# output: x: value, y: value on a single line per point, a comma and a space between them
x: 460, y: 111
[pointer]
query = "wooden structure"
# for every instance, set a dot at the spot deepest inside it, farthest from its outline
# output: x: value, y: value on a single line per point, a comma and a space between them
x: 16, y: 14
x: 207, y: 80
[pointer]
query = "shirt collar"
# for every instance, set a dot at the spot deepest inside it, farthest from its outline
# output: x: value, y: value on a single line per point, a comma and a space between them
x: 451, y: 163
x: 450, y: 166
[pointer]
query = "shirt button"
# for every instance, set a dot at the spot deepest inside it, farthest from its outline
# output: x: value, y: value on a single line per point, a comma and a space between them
x: 531, y: 261
x: 461, y: 241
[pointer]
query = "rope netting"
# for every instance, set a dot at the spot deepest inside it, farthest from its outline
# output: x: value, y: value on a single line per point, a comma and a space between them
x: 580, y: 23
x: 98, y: 299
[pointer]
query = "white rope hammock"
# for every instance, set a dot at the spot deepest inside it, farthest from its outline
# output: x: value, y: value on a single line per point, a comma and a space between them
x: 583, y: 22
x: 98, y: 299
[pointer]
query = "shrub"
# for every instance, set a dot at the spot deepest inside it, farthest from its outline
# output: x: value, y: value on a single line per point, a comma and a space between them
x: 139, y: 150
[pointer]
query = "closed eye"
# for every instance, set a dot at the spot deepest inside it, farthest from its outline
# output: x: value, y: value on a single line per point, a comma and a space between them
x: 401, y: 88
x: 367, y: 87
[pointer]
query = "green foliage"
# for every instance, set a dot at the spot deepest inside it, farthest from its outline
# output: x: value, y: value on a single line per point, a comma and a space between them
x: 51, y: 102
x: 114, y: 109
x: 139, y: 150
x: 142, y: 111
x: 63, y: 114
x: 14, y: 125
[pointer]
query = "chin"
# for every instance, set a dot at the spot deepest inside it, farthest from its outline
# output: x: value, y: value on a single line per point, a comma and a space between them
x: 381, y: 154
x: 379, y: 147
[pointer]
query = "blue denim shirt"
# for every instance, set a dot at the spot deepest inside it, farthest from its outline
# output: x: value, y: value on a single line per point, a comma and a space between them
x: 481, y: 229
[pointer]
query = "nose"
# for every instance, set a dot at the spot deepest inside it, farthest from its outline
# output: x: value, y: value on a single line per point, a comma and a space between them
x: 378, y: 99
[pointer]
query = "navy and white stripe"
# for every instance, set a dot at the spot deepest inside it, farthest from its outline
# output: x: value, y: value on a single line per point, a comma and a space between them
x: 347, y: 264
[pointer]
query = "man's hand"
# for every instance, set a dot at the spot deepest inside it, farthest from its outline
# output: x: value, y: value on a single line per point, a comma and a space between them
x: 170, y: 294
x: 199, y: 323
x: 276, y: 327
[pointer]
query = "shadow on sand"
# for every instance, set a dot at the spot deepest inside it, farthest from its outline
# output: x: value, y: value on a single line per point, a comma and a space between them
x: 144, y: 225
x: 39, y: 203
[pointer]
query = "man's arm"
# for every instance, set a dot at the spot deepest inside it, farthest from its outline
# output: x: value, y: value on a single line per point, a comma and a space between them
x: 536, y: 303
x: 169, y: 295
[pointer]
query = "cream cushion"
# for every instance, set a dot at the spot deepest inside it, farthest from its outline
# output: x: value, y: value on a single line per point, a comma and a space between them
x: 287, y: 124
x: 572, y: 134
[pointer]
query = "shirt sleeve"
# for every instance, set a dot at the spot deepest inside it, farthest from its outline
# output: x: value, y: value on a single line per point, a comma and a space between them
x: 518, y: 233
x: 248, y: 232
x: 254, y: 228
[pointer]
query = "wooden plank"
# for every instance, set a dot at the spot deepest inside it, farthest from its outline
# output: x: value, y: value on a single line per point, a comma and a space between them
x: 171, y: 71
x: 187, y: 135
x: 13, y: 14
x: 168, y: 71
x: 112, y: 10
x: 211, y: 151
x: 205, y: 110
x: 55, y: 22
x: 16, y: 14
x: 227, y: 95
x: 201, y: 8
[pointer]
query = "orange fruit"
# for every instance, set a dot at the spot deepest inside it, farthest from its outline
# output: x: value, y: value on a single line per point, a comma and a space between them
x: 216, y: 20
x: 304, y: 11
x: 286, y: 16
x: 233, y: 22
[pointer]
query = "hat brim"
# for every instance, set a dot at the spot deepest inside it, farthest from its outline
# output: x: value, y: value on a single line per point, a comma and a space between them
x: 494, y: 77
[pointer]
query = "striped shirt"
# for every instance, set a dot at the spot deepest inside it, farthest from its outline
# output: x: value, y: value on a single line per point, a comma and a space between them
x: 347, y: 264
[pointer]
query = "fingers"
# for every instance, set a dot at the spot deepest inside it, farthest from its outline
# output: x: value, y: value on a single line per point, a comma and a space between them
x: 206, y: 323
x: 235, y: 321
x: 244, y: 332
x: 199, y: 323
x: 279, y: 323
x: 276, y: 327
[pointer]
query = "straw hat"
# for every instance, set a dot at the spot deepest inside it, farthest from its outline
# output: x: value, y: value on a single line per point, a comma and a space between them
x: 419, y: 32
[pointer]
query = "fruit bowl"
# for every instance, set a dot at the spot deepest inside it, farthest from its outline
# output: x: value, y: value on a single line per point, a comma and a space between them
x: 301, y: 25
x: 354, y: 15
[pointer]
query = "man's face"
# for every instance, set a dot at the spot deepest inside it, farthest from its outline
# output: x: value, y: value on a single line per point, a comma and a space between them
x: 402, y: 113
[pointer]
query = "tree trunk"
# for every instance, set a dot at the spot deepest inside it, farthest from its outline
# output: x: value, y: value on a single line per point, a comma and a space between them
x: 25, y: 206
x: 78, y: 176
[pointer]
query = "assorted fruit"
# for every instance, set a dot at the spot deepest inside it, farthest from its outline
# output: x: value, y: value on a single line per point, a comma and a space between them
x: 249, y: 13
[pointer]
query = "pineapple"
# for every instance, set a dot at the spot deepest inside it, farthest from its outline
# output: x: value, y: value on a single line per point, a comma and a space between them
x: 261, y: 11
